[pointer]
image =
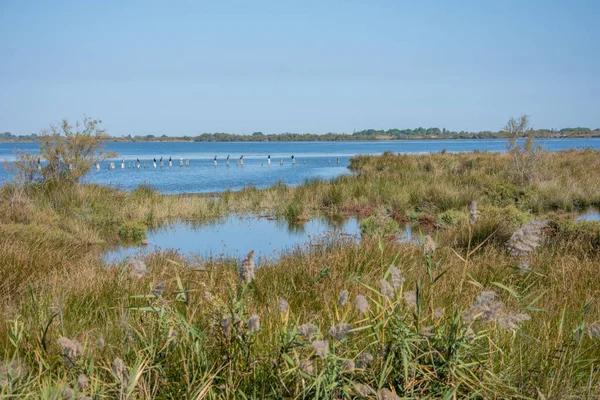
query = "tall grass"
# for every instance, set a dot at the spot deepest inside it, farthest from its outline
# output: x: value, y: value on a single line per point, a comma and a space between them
x: 191, y: 328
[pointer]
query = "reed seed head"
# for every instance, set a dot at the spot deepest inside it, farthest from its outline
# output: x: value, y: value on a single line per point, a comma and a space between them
x: 137, y: 268
x: 226, y: 325
x: 439, y: 313
x: 321, y: 347
x: 254, y: 324
x: 364, y: 359
x: 396, y: 277
x: 473, y: 212
x: 593, y: 330
x: 526, y: 239
x: 284, y: 306
x: 306, y: 366
x: 343, y: 298
x: 512, y: 321
x: 307, y: 330
x: 429, y: 245
x: 361, y: 304
x: 340, y: 331
x: 71, y: 349
x: 159, y: 289
x: 120, y: 370
x: 247, y: 268
x: 386, y: 289
x: 410, y: 299
x: 363, y: 390
x: 426, y: 331
x: 386, y: 394
x: 83, y: 383
x: 67, y: 393
x: 349, y: 366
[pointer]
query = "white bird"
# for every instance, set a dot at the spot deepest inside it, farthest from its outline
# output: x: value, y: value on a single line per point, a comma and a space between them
x: 293, y: 160
x: 242, y: 160
x: 97, y: 165
x: 269, y: 160
x: 227, y: 160
x: 155, y: 163
x: 180, y: 162
x: 138, y: 163
x: 215, y: 161
x: 161, y: 162
x: 123, y: 164
x: 170, y: 162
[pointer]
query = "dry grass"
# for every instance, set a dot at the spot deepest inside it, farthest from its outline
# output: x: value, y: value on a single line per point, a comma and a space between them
x: 53, y: 284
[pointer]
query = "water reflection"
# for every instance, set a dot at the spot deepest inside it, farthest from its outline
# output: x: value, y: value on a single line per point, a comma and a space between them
x: 237, y: 235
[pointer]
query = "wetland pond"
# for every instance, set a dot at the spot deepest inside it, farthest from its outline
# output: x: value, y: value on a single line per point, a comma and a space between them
x: 236, y: 235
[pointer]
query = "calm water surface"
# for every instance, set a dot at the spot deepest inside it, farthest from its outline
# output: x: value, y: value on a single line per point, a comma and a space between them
x: 235, y: 236
x: 314, y: 160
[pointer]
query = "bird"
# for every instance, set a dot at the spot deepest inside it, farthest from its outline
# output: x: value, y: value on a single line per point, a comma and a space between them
x: 170, y: 162
x: 338, y: 160
x: 161, y: 162
x: 269, y: 160
x: 242, y: 160
x: 123, y: 163
x: 97, y: 165
x: 138, y: 163
x: 293, y: 160
x: 154, y: 162
x: 227, y: 160
x: 215, y: 161
x: 180, y: 162
x: 187, y: 162
x: 281, y: 161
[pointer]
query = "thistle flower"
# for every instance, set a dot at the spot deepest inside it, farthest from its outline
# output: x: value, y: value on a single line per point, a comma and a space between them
x: 306, y: 366
x: 593, y: 330
x: 283, y: 305
x: 119, y: 369
x: 83, y: 382
x: 321, y: 347
x: 247, y: 268
x: 429, y: 245
x: 71, y: 349
x: 340, y: 330
x: 526, y: 239
x: 397, y: 278
x: 386, y: 289
x: 492, y: 312
x: 343, y: 298
x: 473, y: 212
x: 349, y: 366
x: 361, y: 304
x: 364, y: 359
x: 386, y: 394
x: 307, y: 330
x: 254, y: 324
x: 159, y: 289
x: 485, y: 297
x: 137, y: 268
x: 512, y: 320
x: 410, y: 299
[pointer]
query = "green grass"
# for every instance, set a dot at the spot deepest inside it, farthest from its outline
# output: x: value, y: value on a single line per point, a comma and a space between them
x: 54, y: 284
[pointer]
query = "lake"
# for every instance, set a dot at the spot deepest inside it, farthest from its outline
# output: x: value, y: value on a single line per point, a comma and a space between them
x: 314, y: 160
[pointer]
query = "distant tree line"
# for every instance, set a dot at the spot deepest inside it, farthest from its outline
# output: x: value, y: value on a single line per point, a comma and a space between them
x: 367, y: 134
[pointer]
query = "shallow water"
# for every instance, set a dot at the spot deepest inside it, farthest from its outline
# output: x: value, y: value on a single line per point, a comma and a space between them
x: 203, y: 177
x: 235, y: 236
x: 589, y: 215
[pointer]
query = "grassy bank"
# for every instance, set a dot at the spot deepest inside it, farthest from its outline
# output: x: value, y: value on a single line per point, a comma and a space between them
x: 449, y: 326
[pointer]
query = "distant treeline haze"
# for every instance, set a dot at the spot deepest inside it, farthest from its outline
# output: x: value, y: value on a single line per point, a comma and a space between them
x: 367, y: 134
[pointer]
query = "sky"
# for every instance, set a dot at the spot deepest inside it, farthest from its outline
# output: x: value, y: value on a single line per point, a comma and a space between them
x: 185, y: 68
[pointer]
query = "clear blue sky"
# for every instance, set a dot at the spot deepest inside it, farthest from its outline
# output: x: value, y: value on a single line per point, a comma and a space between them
x: 176, y: 68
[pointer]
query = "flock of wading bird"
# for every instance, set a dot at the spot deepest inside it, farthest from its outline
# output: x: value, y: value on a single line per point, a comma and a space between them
x: 161, y: 163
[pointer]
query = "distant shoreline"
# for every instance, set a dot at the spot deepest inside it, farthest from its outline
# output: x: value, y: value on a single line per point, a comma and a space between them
x: 178, y: 140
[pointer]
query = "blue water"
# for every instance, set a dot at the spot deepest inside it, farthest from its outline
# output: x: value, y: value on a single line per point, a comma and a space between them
x: 235, y: 236
x: 203, y: 177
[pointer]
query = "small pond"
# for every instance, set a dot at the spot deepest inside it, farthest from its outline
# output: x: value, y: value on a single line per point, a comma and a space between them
x: 235, y: 236
x: 589, y: 215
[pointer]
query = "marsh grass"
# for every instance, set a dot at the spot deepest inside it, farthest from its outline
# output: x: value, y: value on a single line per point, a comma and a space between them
x: 160, y: 334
